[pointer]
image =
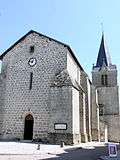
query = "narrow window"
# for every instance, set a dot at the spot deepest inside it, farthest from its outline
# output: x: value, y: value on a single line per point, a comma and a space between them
x: 31, y: 49
x: 31, y: 78
x: 106, y: 80
x: 101, y: 110
x: 102, y: 79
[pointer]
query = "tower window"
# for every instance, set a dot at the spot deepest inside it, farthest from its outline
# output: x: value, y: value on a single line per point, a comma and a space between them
x: 104, y: 80
x: 32, y: 49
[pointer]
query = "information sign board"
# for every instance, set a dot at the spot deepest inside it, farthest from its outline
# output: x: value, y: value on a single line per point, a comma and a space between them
x: 60, y: 126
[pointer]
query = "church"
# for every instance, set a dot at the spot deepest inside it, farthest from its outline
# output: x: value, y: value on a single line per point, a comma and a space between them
x: 45, y: 94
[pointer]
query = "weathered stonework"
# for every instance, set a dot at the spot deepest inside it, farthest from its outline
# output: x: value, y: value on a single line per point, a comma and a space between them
x: 86, y: 85
x: 19, y: 100
x: 104, y: 78
x: 108, y: 101
x: 51, y: 94
x: 95, y: 115
x: 53, y: 98
x: 103, y: 132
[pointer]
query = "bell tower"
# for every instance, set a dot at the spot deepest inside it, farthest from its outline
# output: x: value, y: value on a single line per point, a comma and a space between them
x: 104, y: 77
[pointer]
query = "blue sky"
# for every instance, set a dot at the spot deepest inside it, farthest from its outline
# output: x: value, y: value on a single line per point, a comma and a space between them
x: 74, y: 22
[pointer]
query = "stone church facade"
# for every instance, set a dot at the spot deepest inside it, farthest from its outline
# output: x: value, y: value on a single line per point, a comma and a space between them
x: 45, y: 95
x: 41, y: 91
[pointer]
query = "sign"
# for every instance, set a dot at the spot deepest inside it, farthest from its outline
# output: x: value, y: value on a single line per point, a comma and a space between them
x: 60, y: 126
x: 112, y: 150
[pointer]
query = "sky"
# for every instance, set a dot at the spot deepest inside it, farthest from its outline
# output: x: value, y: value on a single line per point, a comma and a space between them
x: 74, y: 22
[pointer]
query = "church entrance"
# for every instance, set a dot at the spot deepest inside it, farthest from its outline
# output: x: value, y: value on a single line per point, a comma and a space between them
x: 28, y: 128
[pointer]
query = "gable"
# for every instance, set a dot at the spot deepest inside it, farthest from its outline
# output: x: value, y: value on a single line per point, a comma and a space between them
x: 30, y: 32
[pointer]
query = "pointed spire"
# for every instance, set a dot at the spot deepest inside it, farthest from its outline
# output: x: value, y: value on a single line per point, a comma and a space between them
x: 103, y: 54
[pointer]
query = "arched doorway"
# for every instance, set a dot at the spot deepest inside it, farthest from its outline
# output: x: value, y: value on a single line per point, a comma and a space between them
x: 28, y: 128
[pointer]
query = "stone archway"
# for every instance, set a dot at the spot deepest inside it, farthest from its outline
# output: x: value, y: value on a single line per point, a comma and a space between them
x: 28, y: 127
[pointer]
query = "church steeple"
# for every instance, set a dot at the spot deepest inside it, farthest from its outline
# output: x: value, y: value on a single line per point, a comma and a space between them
x: 104, y: 69
x: 103, y: 54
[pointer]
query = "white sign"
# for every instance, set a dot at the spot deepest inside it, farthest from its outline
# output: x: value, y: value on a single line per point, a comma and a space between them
x: 61, y: 126
x: 112, y: 150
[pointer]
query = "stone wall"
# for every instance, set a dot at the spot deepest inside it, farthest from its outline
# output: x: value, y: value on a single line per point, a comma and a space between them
x: 19, y: 99
x: 60, y: 113
x: 108, y: 99
x: 1, y: 102
x: 89, y: 109
x: 53, y: 96
x: 111, y: 76
x: 64, y: 110
x: 103, y: 132
x: 86, y: 85
x: 73, y: 69
x: 95, y: 115
x: 2, y: 93
x: 113, y: 123
x: 61, y: 107
x: 84, y: 136
x: 75, y: 111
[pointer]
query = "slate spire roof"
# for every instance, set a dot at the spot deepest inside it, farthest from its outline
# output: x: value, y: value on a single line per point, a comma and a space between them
x: 103, y: 57
x: 103, y: 54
